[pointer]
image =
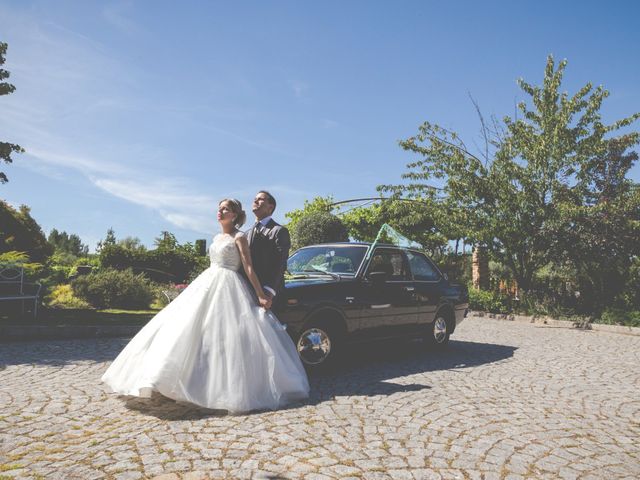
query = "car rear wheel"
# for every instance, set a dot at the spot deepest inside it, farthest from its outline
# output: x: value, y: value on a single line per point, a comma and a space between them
x: 317, y: 345
x: 438, y: 332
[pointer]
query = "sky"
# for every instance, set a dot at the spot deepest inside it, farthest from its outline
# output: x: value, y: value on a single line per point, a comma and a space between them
x: 141, y: 115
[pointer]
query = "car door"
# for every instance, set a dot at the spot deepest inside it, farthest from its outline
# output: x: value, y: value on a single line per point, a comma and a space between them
x: 427, y: 279
x: 390, y: 306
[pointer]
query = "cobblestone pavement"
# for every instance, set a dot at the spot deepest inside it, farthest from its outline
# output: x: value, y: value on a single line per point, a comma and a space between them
x: 506, y: 400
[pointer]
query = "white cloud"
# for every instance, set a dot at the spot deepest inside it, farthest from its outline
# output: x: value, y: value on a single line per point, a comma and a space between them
x: 156, y: 194
x: 175, y: 202
x: 86, y: 165
x: 68, y: 84
x: 196, y: 223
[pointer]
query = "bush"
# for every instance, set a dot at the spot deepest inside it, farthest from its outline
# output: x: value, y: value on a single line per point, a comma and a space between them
x: 161, y: 265
x: 120, y: 257
x: 173, y: 290
x: 319, y: 227
x: 21, y: 260
x: 617, y: 316
x: 62, y: 297
x: 487, y: 301
x: 630, y: 297
x: 111, y: 288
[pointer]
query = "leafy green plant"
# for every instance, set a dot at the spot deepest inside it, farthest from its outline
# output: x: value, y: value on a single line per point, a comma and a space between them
x: 21, y: 259
x: 168, y: 263
x: 487, y: 301
x: 62, y: 296
x: 618, y: 316
x: 112, y: 288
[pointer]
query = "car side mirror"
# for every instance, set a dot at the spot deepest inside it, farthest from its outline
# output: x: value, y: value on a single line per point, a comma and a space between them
x: 446, y: 277
x: 378, y: 277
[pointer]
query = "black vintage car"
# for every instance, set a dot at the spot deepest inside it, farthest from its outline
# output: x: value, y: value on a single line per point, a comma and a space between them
x: 340, y: 293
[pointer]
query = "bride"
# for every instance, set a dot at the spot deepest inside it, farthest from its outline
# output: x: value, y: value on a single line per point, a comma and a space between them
x: 213, y: 346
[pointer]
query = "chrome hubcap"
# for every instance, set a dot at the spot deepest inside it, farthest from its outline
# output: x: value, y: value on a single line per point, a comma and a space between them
x: 440, y: 330
x: 314, y: 346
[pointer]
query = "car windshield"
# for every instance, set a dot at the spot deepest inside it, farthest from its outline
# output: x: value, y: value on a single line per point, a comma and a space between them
x: 330, y: 259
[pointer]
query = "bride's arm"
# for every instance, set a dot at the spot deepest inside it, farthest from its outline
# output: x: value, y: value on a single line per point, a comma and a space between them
x: 245, y: 256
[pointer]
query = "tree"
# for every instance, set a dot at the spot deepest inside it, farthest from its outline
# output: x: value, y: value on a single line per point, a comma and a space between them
x: 6, y: 149
x: 21, y: 233
x: 514, y: 196
x: 201, y: 247
x: 413, y: 219
x: 317, y: 205
x: 109, y: 240
x: 603, y: 241
x: 166, y: 241
x: 63, y: 242
x: 132, y: 243
x: 319, y: 227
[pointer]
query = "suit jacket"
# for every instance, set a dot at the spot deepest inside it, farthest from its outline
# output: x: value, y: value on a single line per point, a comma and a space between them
x: 269, y: 253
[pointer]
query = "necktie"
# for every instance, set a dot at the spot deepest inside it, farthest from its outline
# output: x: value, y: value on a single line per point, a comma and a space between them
x: 256, y: 230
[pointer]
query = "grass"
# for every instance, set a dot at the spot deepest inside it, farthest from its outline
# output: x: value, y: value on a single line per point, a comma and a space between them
x: 62, y: 317
x: 6, y: 467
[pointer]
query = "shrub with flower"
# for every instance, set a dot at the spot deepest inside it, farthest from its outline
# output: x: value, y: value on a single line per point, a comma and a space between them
x: 170, y: 292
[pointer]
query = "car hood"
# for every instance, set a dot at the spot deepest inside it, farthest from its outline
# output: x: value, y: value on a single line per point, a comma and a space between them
x: 304, y: 281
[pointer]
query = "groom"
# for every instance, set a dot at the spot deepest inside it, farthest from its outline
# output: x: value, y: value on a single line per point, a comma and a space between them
x: 269, y: 243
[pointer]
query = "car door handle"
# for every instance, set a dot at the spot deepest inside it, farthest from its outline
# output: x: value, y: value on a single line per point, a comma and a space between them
x: 409, y: 289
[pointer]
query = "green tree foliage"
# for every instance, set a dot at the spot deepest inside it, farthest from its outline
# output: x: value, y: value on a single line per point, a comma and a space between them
x: 110, y: 239
x: 6, y: 149
x: 166, y: 241
x: 170, y: 262
x: 13, y: 258
x: 317, y: 205
x: 201, y: 247
x: 603, y: 242
x: 319, y: 227
x: 132, y: 243
x: 71, y: 244
x: 20, y: 232
x: 413, y: 219
x: 532, y: 183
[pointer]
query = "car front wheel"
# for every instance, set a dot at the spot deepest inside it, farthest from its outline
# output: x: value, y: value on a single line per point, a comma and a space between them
x: 316, y: 346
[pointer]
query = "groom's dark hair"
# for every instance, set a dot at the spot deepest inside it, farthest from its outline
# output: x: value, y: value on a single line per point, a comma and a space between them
x: 270, y: 198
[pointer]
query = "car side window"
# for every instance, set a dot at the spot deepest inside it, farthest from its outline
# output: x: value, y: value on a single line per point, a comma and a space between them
x: 391, y: 262
x: 421, y: 268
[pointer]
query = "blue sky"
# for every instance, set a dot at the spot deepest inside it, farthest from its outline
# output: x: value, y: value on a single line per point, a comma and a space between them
x: 141, y: 115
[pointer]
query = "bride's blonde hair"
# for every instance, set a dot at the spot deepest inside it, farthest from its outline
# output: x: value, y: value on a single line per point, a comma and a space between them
x: 236, y: 207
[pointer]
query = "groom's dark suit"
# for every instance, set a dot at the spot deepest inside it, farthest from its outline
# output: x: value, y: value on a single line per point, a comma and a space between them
x: 269, y: 245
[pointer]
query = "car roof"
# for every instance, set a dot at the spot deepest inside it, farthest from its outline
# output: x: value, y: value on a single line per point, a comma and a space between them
x: 357, y: 244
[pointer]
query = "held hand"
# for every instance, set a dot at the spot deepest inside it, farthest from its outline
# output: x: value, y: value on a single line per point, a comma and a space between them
x: 265, y: 302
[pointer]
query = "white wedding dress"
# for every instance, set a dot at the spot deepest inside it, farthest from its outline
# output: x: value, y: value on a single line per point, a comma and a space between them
x: 213, y: 346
